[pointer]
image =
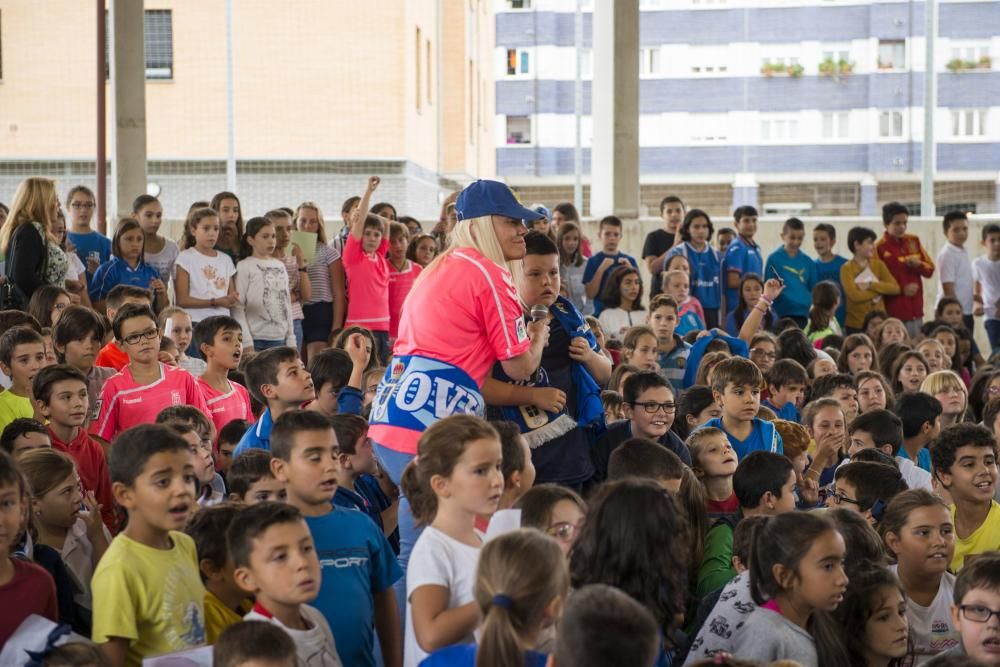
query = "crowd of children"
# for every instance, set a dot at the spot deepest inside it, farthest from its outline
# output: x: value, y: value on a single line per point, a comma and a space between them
x: 776, y: 460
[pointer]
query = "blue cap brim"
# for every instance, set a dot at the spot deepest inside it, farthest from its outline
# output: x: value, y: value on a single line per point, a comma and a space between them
x: 527, y: 215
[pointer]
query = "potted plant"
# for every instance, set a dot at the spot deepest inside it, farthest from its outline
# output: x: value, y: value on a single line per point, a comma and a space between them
x: 985, y: 62
x: 955, y: 65
x: 795, y: 71
x: 828, y: 67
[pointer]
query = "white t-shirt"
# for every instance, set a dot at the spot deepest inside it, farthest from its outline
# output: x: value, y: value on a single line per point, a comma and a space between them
x: 987, y: 274
x: 930, y: 627
x: 616, y: 321
x: 163, y: 261
x: 438, y: 560
x: 208, y: 278
x: 314, y: 646
x: 954, y: 267
x: 914, y: 476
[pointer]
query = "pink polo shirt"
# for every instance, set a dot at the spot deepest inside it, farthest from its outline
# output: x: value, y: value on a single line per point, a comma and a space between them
x: 465, y: 312
x: 125, y: 404
x: 225, y: 407
x: 400, y: 284
x: 367, y: 285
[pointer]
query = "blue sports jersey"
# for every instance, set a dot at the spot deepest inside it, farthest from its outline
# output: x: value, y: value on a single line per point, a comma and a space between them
x: 742, y: 256
x: 706, y: 273
x: 763, y: 438
x: 91, y: 245
x: 116, y: 271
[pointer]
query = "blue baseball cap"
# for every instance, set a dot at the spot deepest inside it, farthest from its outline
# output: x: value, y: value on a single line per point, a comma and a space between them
x: 483, y: 198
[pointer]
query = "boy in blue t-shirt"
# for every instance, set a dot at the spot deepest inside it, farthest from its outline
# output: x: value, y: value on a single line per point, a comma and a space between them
x: 786, y: 385
x: 921, y: 417
x: 828, y: 264
x: 93, y: 248
x: 736, y: 386
x: 742, y: 256
x: 358, y: 565
x: 796, y: 269
x: 276, y: 378
x: 602, y: 264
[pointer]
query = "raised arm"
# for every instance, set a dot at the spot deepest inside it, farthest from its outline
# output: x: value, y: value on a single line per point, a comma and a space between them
x: 361, y: 212
x: 752, y: 324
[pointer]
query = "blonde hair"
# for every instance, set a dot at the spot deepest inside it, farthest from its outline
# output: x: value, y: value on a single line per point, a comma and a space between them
x: 321, y: 232
x: 44, y: 469
x: 519, y: 575
x: 33, y: 202
x: 940, y: 381
x: 476, y: 233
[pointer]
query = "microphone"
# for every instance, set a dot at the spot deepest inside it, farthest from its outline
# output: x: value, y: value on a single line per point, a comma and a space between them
x: 539, y: 312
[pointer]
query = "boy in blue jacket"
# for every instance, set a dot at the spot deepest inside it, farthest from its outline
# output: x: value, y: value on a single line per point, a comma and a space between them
x: 736, y: 384
x: 798, y: 271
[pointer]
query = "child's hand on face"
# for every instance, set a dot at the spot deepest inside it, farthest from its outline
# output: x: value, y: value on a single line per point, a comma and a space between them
x: 91, y: 515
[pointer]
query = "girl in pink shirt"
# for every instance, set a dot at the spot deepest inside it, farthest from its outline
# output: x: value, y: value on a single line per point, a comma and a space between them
x: 402, y: 274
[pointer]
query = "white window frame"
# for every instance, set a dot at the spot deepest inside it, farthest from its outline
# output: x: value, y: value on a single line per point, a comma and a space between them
x: 531, y: 131
x: 521, y: 52
x: 891, y: 114
x: 779, y: 128
x: 704, y: 128
x: 701, y: 62
x: 896, y: 67
x: 840, y: 125
x: 650, y: 61
x: 963, y: 120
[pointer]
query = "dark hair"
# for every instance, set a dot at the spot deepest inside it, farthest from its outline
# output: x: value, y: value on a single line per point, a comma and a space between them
x: 691, y: 402
x: 914, y: 409
x: 990, y: 228
x: 246, y: 470
x: 876, y: 484
x: 290, y: 424
x: 510, y: 447
x: 859, y: 235
x: 743, y: 308
x: 17, y: 428
x: 743, y: 212
x: 827, y: 229
x: 641, y: 381
x: 43, y: 301
x: 537, y: 502
x: 349, y: 204
x: 75, y: 654
x: 884, y: 427
x: 826, y: 385
x: 978, y: 391
x: 186, y: 414
x: 253, y: 522
x: 670, y: 199
x: 350, y: 428
x: 891, y: 210
x: 982, y: 571
x: 253, y: 640
x: 859, y: 605
x: 142, y: 201
x: 825, y: 297
x: 411, y: 247
x: 640, y: 457
x: 216, y: 205
x: 851, y: 343
x: 900, y: 361
x: 759, y: 473
x: 636, y: 533
x: 263, y: 369
x: 944, y: 447
x: 743, y: 537
x: 18, y: 318
x: 207, y: 329
x: 117, y: 295
x: 568, y: 211
x: 577, y: 258
x: 45, y: 379
x: 602, y: 626
x: 793, y: 224
x: 333, y: 366
x: 196, y: 216
x: 128, y: 312
x: 990, y: 412
x: 737, y: 371
x: 689, y: 219
x: 74, y: 324
x: 438, y: 450
x: 126, y: 225
x: 340, y: 341
x: 794, y: 344
x: 537, y: 243
x: 612, y: 295
x: 956, y: 358
x: 205, y: 528
x: 610, y: 221
x: 134, y: 447
x: 11, y: 338
x: 887, y: 355
x: 254, y: 225
x: 787, y: 371
x: 616, y: 375
x: 942, y: 303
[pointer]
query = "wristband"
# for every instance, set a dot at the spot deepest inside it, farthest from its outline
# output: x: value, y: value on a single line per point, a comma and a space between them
x: 769, y: 302
x: 212, y: 303
x: 303, y: 270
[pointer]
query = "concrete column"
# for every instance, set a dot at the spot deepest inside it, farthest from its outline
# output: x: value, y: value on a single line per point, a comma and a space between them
x: 746, y: 191
x: 614, y: 101
x: 128, y: 84
x: 997, y: 191
x: 869, y: 196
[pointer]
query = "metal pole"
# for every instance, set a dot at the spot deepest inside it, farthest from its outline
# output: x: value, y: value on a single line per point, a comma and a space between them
x: 578, y: 110
x: 230, y: 114
x: 930, y: 106
x: 438, y: 96
x: 101, y: 162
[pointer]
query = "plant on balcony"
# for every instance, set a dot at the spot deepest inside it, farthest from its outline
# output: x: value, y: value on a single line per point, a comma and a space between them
x: 770, y: 69
x: 985, y: 62
x: 795, y: 71
x: 957, y: 65
x: 836, y: 70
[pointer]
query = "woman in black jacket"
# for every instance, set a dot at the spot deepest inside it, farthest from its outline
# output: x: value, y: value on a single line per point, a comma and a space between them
x: 32, y: 258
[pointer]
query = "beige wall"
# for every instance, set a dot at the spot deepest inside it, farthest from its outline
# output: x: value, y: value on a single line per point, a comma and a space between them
x: 314, y: 79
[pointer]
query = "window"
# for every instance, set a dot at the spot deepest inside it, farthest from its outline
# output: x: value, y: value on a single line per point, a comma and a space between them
x: 891, y: 54
x: 708, y: 127
x: 968, y: 122
x: 518, y: 4
x: 835, y: 124
x: 430, y: 68
x: 706, y: 60
x: 973, y: 53
x: 158, y: 42
x: 586, y: 64
x: 836, y: 55
x: 649, y: 60
x: 783, y: 61
x: 779, y: 129
x: 890, y: 124
x: 518, y: 62
x: 519, y: 130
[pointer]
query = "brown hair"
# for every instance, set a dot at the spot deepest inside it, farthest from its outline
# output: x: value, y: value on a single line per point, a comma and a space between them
x: 708, y: 363
x: 194, y: 217
x: 794, y: 436
x: 735, y: 370
x: 631, y: 340
x: 900, y: 507
x: 44, y: 468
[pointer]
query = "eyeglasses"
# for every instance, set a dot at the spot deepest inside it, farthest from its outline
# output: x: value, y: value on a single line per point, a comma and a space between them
x: 564, y: 530
x: 977, y: 613
x: 840, y: 497
x: 758, y: 352
x: 77, y: 204
x: 148, y: 334
x: 652, y: 407
x: 993, y: 390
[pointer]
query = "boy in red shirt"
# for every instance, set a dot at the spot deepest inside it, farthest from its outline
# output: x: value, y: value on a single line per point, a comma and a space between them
x: 61, y: 396
x: 220, y: 341
x: 368, y: 272
x: 111, y: 355
x: 908, y: 263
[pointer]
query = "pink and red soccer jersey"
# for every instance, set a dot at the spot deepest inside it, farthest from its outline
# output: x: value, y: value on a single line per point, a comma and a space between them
x: 400, y: 284
x: 225, y: 407
x: 466, y: 313
x: 367, y: 285
x: 125, y: 404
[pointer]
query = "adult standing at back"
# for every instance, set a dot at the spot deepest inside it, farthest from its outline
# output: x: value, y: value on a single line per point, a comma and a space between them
x: 33, y: 258
x: 462, y: 316
x: 659, y: 242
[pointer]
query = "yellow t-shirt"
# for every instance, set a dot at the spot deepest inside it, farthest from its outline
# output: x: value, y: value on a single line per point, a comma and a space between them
x: 13, y: 407
x: 218, y: 616
x: 152, y: 597
x: 985, y: 538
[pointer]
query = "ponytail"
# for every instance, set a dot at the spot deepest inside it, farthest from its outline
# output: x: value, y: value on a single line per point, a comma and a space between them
x: 781, y: 540
x: 519, y: 576
x: 194, y: 217
x: 254, y: 225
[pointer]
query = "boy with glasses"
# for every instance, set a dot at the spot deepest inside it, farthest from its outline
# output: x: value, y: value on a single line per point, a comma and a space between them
x: 976, y: 612
x: 93, y: 248
x: 649, y: 413
x: 145, y: 386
